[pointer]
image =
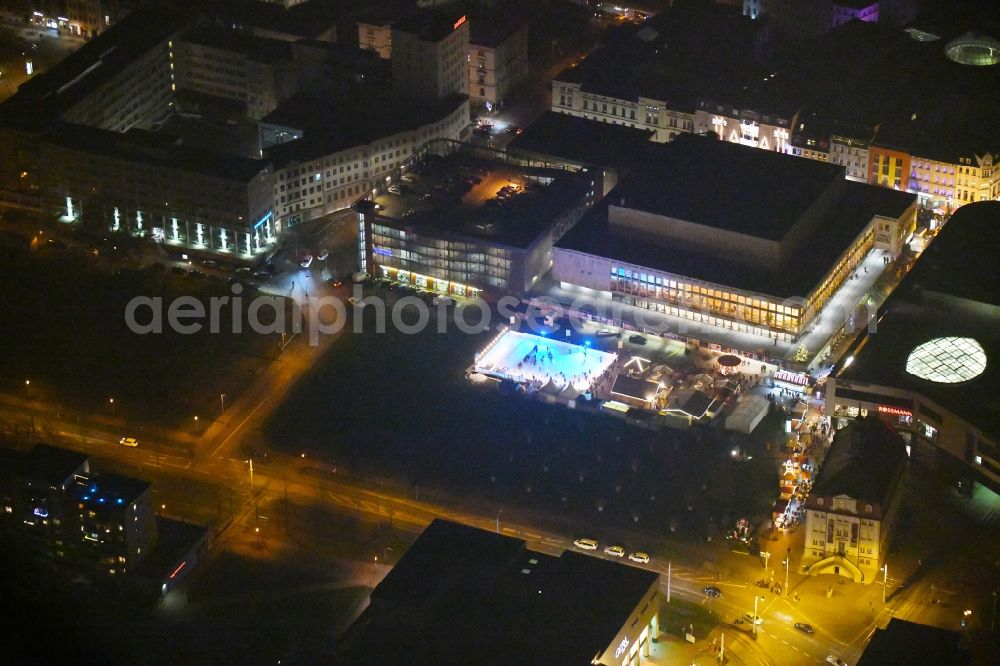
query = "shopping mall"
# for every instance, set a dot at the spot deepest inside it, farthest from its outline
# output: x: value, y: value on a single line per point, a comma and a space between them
x: 732, y: 239
x: 929, y: 368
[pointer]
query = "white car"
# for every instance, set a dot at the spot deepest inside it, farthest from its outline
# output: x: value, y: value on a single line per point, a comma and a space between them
x: 443, y: 300
x: 586, y: 544
x: 640, y: 557
x: 129, y: 441
x: 615, y: 551
x: 306, y: 261
x: 836, y: 661
x: 323, y: 254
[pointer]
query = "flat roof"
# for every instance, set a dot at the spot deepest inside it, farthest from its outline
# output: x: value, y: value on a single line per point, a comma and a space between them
x: 863, y: 462
x: 157, y: 149
x: 466, y: 595
x: 107, y: 490
x: 558, y: 135
x: 667, y: 56
x: 431, y: 25
x: 48, y: 95
x: 903, y: 642
x: 845, y: 220
x: 51, y: 464
x: 708, y: 181
x: 492, y: 29
x: 359, y: 113
x: 517, y: 221
x: 261, y: 49
x: 944, y: 295
x: 635, y: 388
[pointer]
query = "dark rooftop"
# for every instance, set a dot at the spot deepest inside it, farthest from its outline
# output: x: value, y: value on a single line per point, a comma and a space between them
x: 461, y: 595
x: 864, y: 462
x: 845, y: 219
x: 912, y: 644
x: 689, y: 51
x: 558, y: 135
x: 430, y: 25
x: 50, y: 464
x: 49, y: 95
x: 696, y: 171
x: 518, y: 221
x: 154, y: 148
x: 364, y: 112
x: 256, y: 48
x: 944, y: 295
x: 635, y: 388
x: 490, y: 30
x: 108, y: 490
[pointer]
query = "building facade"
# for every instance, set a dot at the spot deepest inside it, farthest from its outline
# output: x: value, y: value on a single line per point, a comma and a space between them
x: 498, y: 61
x: 306, y: 189
x: 854, y: 502
x: 430, y: 55
x: 746, y: 127
x: 852, y: 154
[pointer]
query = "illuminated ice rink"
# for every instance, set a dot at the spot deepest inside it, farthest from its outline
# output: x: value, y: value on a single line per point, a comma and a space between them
x: 535, y: 359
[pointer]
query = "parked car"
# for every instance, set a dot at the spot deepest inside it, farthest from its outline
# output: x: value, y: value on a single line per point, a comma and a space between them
x: 395, y: 189
x: 408, y: 178
x: 637, y: 339
x: 210, y: 263
x: 712, y: 591
x: 196, y: 274
x: 803, y: 627
x: 836, y: 661
x: 336, y: 282
x: 323, y: 254
x: 443, y: 300
x: 640, y: 557
x: 306, y: 261
x: 586, y: 544
x: 129, y: 441
x: 615, y: 551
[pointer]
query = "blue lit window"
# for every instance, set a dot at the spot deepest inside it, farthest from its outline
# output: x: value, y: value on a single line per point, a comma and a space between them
x: 621, y: 272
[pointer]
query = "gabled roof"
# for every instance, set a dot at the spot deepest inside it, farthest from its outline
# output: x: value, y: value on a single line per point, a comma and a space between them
x: 863, y: 463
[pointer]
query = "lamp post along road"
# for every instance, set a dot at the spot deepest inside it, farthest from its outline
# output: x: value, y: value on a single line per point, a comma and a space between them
x: 786, y: 562
x: 885, y: 580
x: 753, y: 620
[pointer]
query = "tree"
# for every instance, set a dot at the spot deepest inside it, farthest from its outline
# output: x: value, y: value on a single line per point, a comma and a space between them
x: 802, y: 353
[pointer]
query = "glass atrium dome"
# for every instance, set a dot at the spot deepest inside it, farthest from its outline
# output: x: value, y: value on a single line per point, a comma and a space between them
x: 973, y: 49
x: 947, y: 360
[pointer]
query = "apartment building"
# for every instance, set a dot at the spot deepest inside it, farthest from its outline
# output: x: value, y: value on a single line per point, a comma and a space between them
x: 430, y: 54
x: 498, y: 59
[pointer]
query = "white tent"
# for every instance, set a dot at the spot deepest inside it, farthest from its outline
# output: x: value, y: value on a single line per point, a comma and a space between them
x: 748, y: 413
x: 549, y: 388
x: 569, y: 393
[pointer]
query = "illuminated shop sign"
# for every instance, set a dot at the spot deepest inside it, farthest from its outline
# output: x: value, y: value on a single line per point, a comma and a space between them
x: 384, y: 251
x: 458, y: 23
x: 40, y: 512
x: 266, y: 217
x: 895, y: 411
x: 621, y: 647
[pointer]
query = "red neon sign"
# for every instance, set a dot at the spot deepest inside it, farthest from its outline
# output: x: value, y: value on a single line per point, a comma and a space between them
x: 178, y: 569
x: 458, y: 23
x: 896, y: 411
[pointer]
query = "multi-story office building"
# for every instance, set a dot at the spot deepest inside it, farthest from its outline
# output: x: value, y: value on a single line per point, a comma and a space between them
x: 40, y: 480
x: 338, y: 153
x: 457, y: 232
x: 730, y: 257
x: 498, y: 59
x: 116, y: 522
x: 259, y: 72
x: 747, y: 127
x: 430, y: 54
x: 930, y: 367
x: 854, y: 502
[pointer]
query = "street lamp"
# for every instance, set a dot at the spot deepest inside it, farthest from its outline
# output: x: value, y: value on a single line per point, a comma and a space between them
x: 498, y: 520
x: 786, y: 563
x: 767, y: 556
x: 885, y: 580
x: 753, y: 620
x: 222, y: 399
